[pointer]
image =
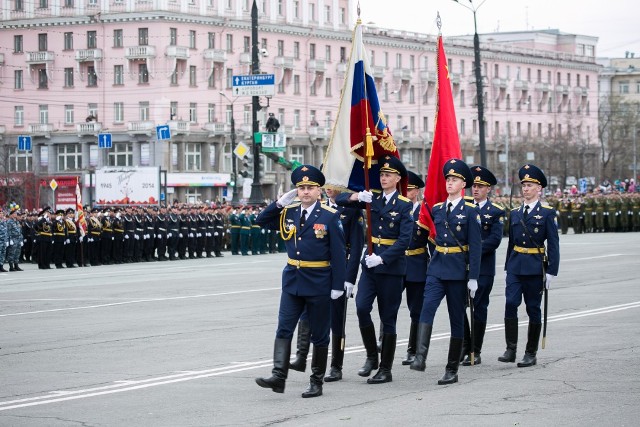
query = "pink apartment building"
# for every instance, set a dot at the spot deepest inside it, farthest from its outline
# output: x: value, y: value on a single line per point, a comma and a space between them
x: 71, y: 69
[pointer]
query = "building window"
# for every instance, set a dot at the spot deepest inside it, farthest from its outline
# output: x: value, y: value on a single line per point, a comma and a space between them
x: 462, y: 129
x: 43, y: 111
x: 623, y: 86
x: 327, y: 14
x: 17, y: 80
x: 121, y: 155
x: 462, y: 100
x: 296, y: 84
x: 69, y: 157
x: 296, y: 119
x: 18, y: 115
x: 43, y: 81
x: 117, y: 38
x: 312, y: 89
x: 211, y: 40
x: 143, y: 36
x: 312, y: 51
x: 212, y: 79
x: 312, y: 12
x: 327, y: 53
x: 412, y: 94
x: 193, y: 112
x: 229, y: 78
x: 68, y: 41
x: 211, y: 113
x: 296, y: 9
x: 17, y: 44
x: 343, y: 15
x: 192, y: 39
x: 92, y: 39
x: 43, y: 4
x: 192, y: 76
x: 18, y: 6
x: 174, y: 77
x: 173, y: 36
x: 193, y: 156
x: 173, y: 110
x: 118, y: 74
x: 297, y: 154
x: 118, y: 112
x: 229, y: 46
x: 68, y: 115
x: 143, y: 108
x: 143, y: 74
x: 343, y: 54
x: 42, y: 42
x: 327, y: 87
x: 92, y: 77
x: 20, y: 161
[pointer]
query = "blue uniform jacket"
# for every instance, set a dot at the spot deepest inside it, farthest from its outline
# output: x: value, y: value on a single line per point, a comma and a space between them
x: 321, y: 239
x: 390, y: 221
x: 492, y: 223
x: 417, y: 262
x: 464, y: 221
x: 353, y: 226
x: 542, y: 225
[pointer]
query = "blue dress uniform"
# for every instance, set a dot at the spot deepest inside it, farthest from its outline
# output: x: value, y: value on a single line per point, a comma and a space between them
x: 492, y: 224
x: 416, y: 275
x: 456, y: 259
x: 314, y: 268
x: 391, y: 228
x: 529, y: 228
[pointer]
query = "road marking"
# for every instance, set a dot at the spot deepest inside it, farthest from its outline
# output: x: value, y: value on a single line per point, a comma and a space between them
x: 595, y: 257
x: 234, y: 367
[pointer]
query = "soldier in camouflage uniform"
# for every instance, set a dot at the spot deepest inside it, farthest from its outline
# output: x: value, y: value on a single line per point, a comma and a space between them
x: 4, y: 240
x: 14, y: 232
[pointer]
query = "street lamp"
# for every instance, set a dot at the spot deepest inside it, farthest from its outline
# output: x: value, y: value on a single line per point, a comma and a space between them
x: 478, y: 73
x: 234, y: 172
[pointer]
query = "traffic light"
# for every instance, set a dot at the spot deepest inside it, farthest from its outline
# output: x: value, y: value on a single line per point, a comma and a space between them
x: 247, y: 166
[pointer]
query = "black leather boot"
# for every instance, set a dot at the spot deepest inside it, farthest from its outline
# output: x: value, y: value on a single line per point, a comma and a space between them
x: 11, y: 267
x: 466, y: 342
x: 386, y: 360
x: 422, y: 347
x: 337, y: 357
x: 369, y: 340
x: 300, y: 363
x: 411, y: 346
x: 281, y: 355
x: 478, y: 337
x: 2, y: 270
x: 451, y: 372
x: 533, y: 336
x: 318, y: 369
x: 511, y: 337
x: 16, y: 268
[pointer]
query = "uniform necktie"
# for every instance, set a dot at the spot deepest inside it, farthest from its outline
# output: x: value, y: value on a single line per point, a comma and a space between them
x: 303, y: 217
x: 449, y: 208
x: 384, y: 201
x: 526, y: 211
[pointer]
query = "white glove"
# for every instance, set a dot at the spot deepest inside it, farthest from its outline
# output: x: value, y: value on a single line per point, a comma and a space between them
x: 158, y: 236
x: 287, y: 198
x: 336, y: 294
x: 472, y: 284
x: 118, y: 215
x: 549, y: 279
x: 348, y: 289
x: 113, y: 238
x: 169, y: 235
x: 126, y: 236
x: 215, y: 234
x: 180, y: 235
x: 365, y: 196
x: 190, y: 234
x: 262, y: 231
x: 68, y: 242
x: 10, y: 243
x: 135, y: 236
x: 372, y: 260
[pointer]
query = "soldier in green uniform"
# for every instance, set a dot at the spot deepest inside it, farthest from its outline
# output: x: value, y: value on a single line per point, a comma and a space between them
x: 245, y: 232
x: 611, y: 212
x: 588, y: 213
x: 635, y: 210
x: 625, y: 210
x: 598, y: 209
x: 565, y: 214
x: 256, y: 241
x: 234, y: 220
x: 577, y: 215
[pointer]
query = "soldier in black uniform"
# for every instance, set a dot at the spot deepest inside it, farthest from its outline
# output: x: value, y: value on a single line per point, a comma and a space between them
x: 193, y: 233
x: 218, y: 231
x: 106, y: 239
x: 94, y: 230
x: 210, y: 228
x: 149, y: 235
x: 173, y: 231
x: 117, y: 244
x: 59, y: 238
x: 161, y: 234
x: 138, y: 245
x: 129, y: 235
x: 44, y: 233
x: 183, y: 235
x: 72, y: 239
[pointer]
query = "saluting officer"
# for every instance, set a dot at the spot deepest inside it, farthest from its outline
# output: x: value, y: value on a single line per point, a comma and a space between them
x: 491, y: 219
x: 383, y: 270
x: 314, y: 274
x: 417, y: 262
x: 531, y: 226
x: 454, y: 267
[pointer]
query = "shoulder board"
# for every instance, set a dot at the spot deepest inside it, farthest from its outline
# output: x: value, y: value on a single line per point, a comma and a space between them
x: 293, y: 205
x: 404, y: 199
x: 471, y: 205
x: 328, y: 208
x: 438, y: 204
x: 546, y: 206
x: 498, y: 206
x: 469, y: 198
x: 515, y: 209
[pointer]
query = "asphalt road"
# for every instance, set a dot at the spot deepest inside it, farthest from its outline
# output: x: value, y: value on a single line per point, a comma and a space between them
x: 179, y: 344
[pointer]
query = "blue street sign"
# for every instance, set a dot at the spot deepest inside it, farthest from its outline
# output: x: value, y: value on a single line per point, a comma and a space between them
x: 254, y: 85
x: 162, y: 197
x: 104, y: 140
x: 24, y: 143
x: 163, y: 132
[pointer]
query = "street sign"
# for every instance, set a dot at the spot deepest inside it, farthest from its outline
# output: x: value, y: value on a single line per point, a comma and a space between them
x: 254, y: 85
x: 241, y: 150
x: 104, y: 140
x: 274, y: 142
x: 163, y: 132
x: 24, y: 143
x: 53, y: 184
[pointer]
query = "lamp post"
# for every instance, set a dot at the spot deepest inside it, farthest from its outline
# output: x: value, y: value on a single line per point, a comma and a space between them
x: 478, y: 74
x: 234, y: 173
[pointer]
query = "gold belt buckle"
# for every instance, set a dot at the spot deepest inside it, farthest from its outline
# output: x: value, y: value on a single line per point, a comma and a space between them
x: 446, y: 249
x: 297, y: 263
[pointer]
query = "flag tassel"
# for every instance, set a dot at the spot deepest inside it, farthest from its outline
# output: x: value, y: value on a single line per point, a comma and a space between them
x: 369, y: 147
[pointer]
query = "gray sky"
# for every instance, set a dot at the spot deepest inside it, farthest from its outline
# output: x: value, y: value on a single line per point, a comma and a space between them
x: 612, y: 21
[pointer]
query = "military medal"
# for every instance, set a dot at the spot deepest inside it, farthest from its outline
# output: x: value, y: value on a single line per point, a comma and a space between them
x: 535, y: 230
x: 458, y: 228
x: 320, y: 230
x: 391, y: 225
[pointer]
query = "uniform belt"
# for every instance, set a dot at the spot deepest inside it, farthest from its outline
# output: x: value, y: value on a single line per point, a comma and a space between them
x: 381, y: 241
x: 255, y: 226
x: 45, y: 234
x: 246, y: 228
x: 528, y: 250
x: 139, y: 229
x: 107, y: 229
x: 418, y: 251
x: 162, y: 229
x: 95, y: 233
x: 235, y: 226
x: 119, y: 231
x: 452, y: 250
x: 184, y: 228
x: 308, y: 264
x: 59, y: 234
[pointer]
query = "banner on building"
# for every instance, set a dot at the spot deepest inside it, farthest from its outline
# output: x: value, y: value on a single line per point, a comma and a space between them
x: 127, y: 186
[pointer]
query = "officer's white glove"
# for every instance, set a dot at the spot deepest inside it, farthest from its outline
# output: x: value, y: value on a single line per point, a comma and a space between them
x: 169, y: 235
x: 190, y: 234
x: 10, y: 243
x: 549, y: 280
x: 118, y: 215
x: 113, y: 238
x: 372, y: 260
x: 348, y: 289
x: 158, y: 236
x: 67, y: 242
x: 472, y: 284
x: 216, y: 234
x: 336, y: 294
x: 126, y: 236
x: 262, y: 231
x: 180, y: 235
x: 135, y: 236
x: 365, y: 196
x: 287, y: 198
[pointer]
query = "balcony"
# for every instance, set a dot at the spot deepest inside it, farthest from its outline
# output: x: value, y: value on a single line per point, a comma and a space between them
x: 521, y: 85
x: 40, y: 57
x: 88, y: 55
x: 179, y: 126
x: 378, y: 72
x: 428, y: 76
x: 178, y: 52
x: 562, y: 89
x: 485, y: 80
x: 341, y: 69
x: 88, y: 128
x: 141, y: 127
x: 1, y: 58
x: 215, y: 55
x: 500, y: 83
x: 140, y: 52
x: 580, y: 91
x: 215, y: 128
x: 285, y: 62
x: 543, y: 87
x: 317, y: 65
x: 317, y: 132
x: 403, y: 135
x: 455, y: 78
x: 245, y: 58
x: 427, y: 137
x: 40, y: 129
x: 402, y: 73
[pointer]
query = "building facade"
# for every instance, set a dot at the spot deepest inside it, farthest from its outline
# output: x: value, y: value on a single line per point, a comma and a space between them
x: 72, y: 69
